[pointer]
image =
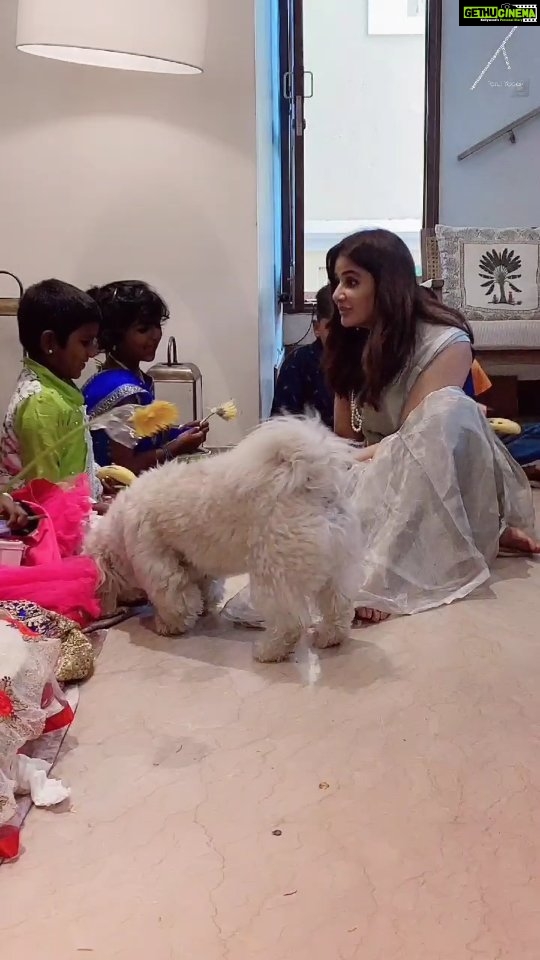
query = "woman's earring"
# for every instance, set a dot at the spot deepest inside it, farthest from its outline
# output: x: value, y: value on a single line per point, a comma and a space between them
x: 50, y: 351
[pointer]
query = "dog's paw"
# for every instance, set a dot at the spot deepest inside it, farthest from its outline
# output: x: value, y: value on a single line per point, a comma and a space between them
x: 266, y: 656
x: 164, y: 629
x: 271, y: 653
x: 324, y: 639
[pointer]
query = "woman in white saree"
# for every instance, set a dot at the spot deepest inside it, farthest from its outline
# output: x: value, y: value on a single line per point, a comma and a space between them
x: 439, y: 495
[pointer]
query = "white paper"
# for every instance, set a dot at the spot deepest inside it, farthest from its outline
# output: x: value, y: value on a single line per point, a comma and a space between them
x: 30, y: 775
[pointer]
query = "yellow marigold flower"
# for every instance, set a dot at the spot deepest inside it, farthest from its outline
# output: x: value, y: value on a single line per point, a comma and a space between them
x: 155, y: 418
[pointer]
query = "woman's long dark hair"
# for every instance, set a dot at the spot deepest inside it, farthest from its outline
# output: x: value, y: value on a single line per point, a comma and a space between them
x: 365, y: 362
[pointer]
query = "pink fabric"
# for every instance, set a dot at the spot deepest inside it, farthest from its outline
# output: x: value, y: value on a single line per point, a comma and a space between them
x: 66, y: 510
x: 68, y: 586
x: 52, y: 575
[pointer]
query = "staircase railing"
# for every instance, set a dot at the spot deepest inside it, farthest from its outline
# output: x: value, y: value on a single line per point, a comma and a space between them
x: 507, y: 131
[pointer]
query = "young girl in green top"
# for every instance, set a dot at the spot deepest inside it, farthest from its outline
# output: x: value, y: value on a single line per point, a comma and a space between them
x: 58, y: 328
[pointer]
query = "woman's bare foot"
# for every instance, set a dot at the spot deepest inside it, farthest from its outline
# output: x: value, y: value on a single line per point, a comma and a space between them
x: 517, y: 541
x: 368, y: 615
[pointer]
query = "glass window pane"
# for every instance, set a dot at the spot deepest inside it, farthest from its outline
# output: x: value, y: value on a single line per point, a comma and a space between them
x: 364, y: 138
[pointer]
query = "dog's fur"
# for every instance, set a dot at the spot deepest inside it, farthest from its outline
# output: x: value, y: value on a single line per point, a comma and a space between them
x: 277, y: 506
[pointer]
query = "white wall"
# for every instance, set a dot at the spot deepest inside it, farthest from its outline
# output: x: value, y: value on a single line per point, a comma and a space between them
x: 498, y: 187
x: 107, y: 175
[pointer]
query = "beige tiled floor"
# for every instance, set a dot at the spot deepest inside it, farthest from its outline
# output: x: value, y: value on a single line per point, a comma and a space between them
x: 402, y: 773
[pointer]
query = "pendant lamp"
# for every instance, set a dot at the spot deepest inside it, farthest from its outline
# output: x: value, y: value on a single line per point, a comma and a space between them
x: 155, y: 36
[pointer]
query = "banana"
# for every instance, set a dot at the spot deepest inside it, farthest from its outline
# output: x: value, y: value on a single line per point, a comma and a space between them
x: 505, y: 428
x: 120, y: 475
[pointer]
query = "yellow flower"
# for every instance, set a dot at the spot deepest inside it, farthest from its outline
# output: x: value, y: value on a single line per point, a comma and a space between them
x: 155, y: 418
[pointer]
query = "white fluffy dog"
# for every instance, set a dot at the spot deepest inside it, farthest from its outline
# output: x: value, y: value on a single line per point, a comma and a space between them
x: 277, y: 506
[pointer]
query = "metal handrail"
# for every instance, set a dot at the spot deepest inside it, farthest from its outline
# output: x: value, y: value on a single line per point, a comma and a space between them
x: 506, y: 131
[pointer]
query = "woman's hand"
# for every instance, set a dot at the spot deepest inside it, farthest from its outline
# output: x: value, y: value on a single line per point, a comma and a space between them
x: 13, y: 513
x: 367, y: 453
x: 189, y: 440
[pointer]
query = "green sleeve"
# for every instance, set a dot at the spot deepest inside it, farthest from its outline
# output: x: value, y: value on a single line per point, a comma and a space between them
x: 39, y: 428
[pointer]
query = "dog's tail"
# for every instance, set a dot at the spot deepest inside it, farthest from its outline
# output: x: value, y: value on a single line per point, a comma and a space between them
x: 298, y: 454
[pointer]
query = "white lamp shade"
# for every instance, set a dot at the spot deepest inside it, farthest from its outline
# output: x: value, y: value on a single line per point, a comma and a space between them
x: 159, y: 36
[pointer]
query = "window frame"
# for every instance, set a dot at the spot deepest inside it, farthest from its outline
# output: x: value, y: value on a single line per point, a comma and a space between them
x: 292, y: 95
x: 432, y: 114
x: 292, y: 153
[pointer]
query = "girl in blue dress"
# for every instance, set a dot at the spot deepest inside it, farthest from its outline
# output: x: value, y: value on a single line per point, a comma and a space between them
x: 133, y: 315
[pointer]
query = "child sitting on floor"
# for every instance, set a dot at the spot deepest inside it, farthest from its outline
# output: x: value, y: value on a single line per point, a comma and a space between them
x: 58, y: 327
x: 132, y: 319
x: 301, y: 385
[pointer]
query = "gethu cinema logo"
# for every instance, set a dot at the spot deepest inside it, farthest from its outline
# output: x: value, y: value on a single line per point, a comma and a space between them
x: 501, y: 13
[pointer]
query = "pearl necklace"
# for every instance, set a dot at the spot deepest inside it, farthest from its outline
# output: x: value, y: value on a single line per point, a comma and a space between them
x: 356, y: 417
